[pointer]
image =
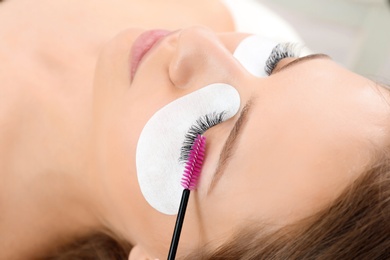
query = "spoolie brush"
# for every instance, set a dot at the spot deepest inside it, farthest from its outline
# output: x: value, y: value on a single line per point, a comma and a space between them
x: 188, y: 181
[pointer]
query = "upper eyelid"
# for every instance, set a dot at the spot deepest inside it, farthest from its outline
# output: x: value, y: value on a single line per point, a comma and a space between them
x: 278, y: 68
x: 229, y: 145
x: 297, y: 61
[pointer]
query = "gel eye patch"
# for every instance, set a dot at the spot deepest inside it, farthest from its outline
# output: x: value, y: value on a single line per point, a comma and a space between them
x: 159, y: 146
x: 253, y: 52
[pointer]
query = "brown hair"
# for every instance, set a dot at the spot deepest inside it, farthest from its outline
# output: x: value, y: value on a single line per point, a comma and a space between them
x: 354, y: 226
x: 97, y: 246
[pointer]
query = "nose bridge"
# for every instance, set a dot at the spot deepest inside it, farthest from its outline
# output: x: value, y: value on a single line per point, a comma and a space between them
x: 200, y: 59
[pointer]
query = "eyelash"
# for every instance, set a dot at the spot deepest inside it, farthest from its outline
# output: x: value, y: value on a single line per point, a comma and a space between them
x: 201, y: 125
x: 279, y: 52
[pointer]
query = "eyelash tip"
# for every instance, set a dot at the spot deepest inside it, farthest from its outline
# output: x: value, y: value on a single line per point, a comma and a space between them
x: 201, y: 125
x: 281, y: 51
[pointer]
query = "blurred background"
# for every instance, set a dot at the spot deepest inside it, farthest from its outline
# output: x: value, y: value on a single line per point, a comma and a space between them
x: 355, y: 33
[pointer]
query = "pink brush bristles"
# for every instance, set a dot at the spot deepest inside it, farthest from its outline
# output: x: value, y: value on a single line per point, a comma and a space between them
x: 194, y: 163
x: 188, y: 181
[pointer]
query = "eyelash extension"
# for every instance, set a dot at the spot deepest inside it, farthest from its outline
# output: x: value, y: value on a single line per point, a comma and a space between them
x: 201, y: 125
x: 279, y: 52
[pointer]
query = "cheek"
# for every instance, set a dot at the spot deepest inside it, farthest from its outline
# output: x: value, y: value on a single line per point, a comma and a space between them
x: 158, y: 150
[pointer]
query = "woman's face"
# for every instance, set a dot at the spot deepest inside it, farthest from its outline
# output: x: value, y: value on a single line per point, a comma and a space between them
x: 306, y: 134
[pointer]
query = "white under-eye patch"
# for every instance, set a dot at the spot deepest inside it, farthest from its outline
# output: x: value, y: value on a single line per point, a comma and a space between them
x: 259, y: 55
x: 253, y: 53
x: 159, y: 146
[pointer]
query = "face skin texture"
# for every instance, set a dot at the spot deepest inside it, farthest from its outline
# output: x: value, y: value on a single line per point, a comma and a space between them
x: 48, y: 54
x: 308, y: 132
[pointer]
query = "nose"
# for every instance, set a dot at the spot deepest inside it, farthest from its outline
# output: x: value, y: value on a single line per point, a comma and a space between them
x: 200, y: 59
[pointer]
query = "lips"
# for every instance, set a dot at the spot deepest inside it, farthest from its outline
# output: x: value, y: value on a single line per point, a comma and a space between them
x: 142, y: 45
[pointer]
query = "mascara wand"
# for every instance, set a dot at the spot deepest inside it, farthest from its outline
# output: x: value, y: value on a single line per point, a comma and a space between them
x: 188, y: 181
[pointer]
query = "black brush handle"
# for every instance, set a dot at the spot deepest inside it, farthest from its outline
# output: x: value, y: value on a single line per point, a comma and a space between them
x: 179, y: 223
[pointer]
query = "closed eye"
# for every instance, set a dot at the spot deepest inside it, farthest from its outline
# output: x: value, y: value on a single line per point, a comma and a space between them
x: 300, y: 61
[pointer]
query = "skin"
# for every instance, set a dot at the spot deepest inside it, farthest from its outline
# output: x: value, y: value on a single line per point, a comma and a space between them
x: 68, y: 151
x: 48, y: 55
x: 310, y: 132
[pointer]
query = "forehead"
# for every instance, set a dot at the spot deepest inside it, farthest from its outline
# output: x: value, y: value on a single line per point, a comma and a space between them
x: 309, y: 134
x: 328, y: 90
x: 321, y: 105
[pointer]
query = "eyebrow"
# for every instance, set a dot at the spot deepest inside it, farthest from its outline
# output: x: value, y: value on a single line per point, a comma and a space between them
x: 302, y: 59
x: 228, y: 148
